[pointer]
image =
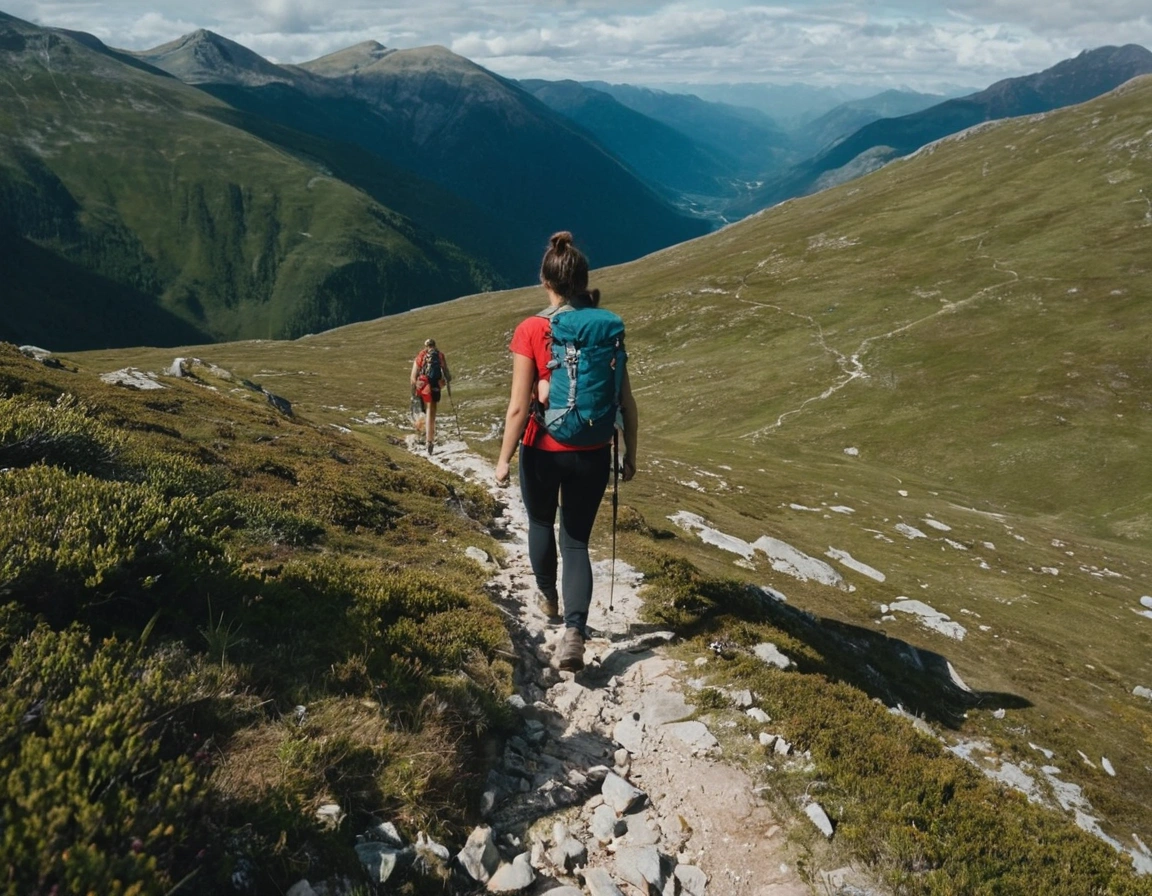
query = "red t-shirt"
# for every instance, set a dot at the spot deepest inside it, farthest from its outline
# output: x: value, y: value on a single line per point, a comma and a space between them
x: 533, y: 339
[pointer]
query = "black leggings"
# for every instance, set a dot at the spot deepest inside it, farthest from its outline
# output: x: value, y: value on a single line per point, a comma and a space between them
x: 575, y: 482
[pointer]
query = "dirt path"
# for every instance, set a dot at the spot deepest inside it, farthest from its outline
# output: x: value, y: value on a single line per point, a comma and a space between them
x: 615, y: 788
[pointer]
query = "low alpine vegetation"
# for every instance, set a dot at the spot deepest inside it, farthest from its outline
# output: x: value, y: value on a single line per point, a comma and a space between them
x: 213, y: 621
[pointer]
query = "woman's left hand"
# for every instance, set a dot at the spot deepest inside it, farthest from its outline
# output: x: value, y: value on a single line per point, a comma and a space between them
x: 503, y: 474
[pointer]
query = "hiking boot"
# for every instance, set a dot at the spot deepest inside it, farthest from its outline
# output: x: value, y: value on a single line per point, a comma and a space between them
x: 429, y: 449
x: 549, y: 602
x: 570, y: 653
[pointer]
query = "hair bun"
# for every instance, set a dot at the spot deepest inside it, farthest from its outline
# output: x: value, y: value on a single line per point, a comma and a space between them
x: 561, y: 241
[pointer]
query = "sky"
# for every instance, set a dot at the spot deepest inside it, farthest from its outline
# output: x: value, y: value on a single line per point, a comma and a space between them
x: 904, y: 44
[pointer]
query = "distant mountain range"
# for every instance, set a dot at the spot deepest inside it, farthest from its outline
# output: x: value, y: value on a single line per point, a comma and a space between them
x: 199, y: 192
x: 1092, y: 73
x: 267, y: 201
x: 519, y: 170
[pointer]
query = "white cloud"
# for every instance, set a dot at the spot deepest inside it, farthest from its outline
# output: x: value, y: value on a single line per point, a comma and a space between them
x: 900, y: 43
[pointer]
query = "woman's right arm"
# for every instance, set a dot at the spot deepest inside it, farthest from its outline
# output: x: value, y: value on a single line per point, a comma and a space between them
x: 519, y: 403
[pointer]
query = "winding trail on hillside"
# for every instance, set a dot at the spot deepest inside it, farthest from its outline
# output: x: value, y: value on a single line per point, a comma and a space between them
x: 852, y: 365
x: 624, y: 716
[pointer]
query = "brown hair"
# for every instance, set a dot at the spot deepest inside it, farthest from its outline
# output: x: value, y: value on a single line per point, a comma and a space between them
x: 564, y: 269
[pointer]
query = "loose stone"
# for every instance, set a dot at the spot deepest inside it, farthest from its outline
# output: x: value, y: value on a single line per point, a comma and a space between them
x: 513, y: 876
x: 640, y: 867
x: 621, y: 795
x: 479, y: 857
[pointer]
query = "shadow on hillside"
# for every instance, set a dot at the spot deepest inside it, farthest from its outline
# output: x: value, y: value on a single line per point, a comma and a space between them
x: 901, y: 675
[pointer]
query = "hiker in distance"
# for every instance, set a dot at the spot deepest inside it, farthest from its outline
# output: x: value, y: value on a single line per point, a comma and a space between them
x: 429, y: 375
x: 570, y: 388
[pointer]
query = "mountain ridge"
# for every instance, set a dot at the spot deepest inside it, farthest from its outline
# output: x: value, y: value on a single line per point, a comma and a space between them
x: 446, y: 119
x: 1069, y: 82
x: 128, y: 185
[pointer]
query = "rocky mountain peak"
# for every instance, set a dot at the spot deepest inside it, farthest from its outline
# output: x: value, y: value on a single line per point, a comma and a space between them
x: 348, y: 61
x: 204, y: 57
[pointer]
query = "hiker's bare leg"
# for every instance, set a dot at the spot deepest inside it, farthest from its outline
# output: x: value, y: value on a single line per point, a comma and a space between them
x: 430, y: 424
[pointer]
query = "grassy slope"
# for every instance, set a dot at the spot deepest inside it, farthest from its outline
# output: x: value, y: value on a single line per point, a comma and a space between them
x: 128, y: 174
x: 281, y: 563
x: 992, y: 289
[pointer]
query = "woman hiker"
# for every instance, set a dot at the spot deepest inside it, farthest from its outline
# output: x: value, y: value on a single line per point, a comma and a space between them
x: 429, y: 375
x: 555, y: 475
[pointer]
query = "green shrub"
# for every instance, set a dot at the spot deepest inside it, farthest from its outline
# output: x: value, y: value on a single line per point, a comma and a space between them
x: 346, y: 498
x: 61, y: 434
x: 70, y: 541
x: 169, y: 473
x: 264, y: 520
x: 100, y: 790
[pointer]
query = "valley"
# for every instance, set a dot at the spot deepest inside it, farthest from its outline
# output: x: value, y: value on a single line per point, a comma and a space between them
x: 897, y: 429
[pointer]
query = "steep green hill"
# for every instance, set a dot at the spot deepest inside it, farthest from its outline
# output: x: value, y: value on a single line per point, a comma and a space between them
x: 451, y: 123
x: 185, y: 223
x: 935, y: 379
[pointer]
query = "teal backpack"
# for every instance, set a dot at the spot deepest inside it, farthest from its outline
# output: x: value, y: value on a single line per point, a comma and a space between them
x: 588, y: 364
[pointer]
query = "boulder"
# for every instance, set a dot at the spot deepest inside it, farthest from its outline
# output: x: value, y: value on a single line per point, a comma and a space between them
x: 620, y: 795
x: 514, y: 876
x: 479, y: 856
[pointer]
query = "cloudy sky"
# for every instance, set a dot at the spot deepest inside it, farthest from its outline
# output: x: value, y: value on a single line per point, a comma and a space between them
x: 902, y: 43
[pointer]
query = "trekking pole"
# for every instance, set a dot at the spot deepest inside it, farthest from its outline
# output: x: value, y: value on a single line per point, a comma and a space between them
x: 455, y: 416
x: 615, y: 507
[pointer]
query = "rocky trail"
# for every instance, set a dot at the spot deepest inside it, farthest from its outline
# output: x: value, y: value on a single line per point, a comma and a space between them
x: 613, y: 787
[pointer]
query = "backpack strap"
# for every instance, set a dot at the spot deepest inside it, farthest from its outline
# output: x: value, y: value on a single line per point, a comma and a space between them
x: 552, y: 310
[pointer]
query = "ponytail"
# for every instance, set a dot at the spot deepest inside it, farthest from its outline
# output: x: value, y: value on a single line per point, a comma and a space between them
x: 564, y: 269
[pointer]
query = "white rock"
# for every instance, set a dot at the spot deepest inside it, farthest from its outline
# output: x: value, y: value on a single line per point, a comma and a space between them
x: 1141, y: 691
x: 782, y: 747
x: 640, y: 831
x: 929, y: 617
x: 692, y: 880
x: 695, y: 734
x: 640, y: 867
x: 387, y: 832
x: 599, y: 883
x: 819, y: 817
x: 1146, y: 601
x: 629, y: 733
x: 568, y: 853
x: 1107, y: 766
x: 758, y: 715
x: 479, y: 856
x: 511, y: 877
x: 477, y: 554
x: 379, y: 859
x: 767, y: 741
x: 852, y: 452
x: 742, y: 699
x: 658, y: 707
x: 771, y: 654
x: 604, y: 825
x: 621, y: 795
x: 300, y: 888
x: 133, y: 379
x: 330, y: 815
